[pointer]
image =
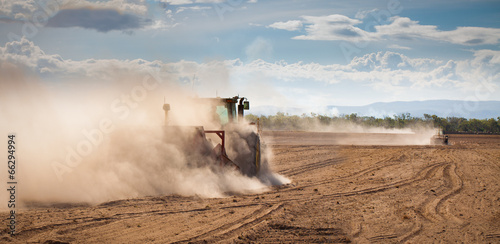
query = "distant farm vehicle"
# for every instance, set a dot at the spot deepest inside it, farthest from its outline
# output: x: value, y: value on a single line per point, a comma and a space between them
x: 439, y: 138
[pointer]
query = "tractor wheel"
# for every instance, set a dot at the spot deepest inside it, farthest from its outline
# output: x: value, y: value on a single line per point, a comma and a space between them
x: 248, y: 158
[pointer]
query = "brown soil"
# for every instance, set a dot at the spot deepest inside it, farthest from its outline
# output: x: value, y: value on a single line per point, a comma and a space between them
x: 339, y: 193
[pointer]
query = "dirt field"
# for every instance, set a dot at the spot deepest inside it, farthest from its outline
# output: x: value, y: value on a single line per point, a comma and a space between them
x: 339, y: 194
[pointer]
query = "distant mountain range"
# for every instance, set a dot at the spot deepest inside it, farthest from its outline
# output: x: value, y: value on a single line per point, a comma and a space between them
x: 441, y: 108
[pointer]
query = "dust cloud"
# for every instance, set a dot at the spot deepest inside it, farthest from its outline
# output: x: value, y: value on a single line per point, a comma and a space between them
x: 355, y: 134
x: 344, y: 132
x: 96, y: 141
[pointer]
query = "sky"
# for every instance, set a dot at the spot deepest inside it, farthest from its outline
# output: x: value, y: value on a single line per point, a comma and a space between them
x: 285, y: 53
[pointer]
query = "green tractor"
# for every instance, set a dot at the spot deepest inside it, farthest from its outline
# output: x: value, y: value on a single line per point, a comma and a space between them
x: 232, y: 134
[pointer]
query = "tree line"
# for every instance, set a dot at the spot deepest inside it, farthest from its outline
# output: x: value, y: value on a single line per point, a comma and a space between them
x: 285, y: 121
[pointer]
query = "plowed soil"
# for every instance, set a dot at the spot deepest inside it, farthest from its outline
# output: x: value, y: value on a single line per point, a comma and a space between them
x: 339, y: 194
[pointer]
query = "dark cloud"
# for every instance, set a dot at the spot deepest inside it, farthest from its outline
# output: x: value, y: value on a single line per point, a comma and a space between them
x: 347, y: 32
x: 476, y: 41
x: 102, y: 20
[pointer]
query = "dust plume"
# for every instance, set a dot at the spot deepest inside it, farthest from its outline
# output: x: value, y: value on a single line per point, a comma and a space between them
x: 95, y: 141
x: 338, y: 130
x: 371, y: 135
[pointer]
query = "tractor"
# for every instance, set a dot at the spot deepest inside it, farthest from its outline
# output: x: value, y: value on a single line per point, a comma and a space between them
x: 439, y: 138
x: 230, y: 132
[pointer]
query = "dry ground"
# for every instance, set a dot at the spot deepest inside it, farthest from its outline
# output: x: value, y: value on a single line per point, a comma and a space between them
x: 339, y: 193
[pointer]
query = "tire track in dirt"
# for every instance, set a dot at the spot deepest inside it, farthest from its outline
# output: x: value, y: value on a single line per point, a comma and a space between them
x: 134, y: 216
x: 492, y: 160
x: 434, y: 207
x: 231, y: 229
x: 434, y: 210
x: 358, y: 173
x: 493, y: 236
x: 350, y: 176
x: 423, y: 174
x: 40, y: 229
x: 315, y: 165
x: 321, y: 164
x: 84, y: 226
x: 84, y: 223
x: 414, y: 232
x: 382, y: 238
x: 418, y: 226
x: 300, y: 152
x: 457, y: 186
x: 311, y: 166
x: 428, y: 209
x: 299, y: 234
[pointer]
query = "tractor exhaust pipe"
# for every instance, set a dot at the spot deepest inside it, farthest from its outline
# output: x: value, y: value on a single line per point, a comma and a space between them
x: 166, y: 108
x: 240, y: 109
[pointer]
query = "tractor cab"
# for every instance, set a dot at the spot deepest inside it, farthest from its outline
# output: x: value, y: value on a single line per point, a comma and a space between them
x: 221, y: 110
x: 231, y: 110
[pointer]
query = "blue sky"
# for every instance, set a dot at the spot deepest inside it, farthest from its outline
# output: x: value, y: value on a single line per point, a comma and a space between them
x: 307, y: 54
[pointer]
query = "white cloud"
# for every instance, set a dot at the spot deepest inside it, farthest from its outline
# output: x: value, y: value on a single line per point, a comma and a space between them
x: 332, y: 28
x: 291, y: 25
x: 395, y: 46
x: 194, y: 8
x: 292, y: 72
x: 471, y: 35
x: 186, y: 2
x: 130, y: 6
x: 334, y: 19
x: 162, y: 25
x: 487, y: 56
x: 26, y: 53
x: 17, y: 9
x: 165, y: 21
x: 405, y: 28
x: 387, y: 61
x: 384, y: 72
x: 342, y: 28
x: 254, y: 24
x: 178, y: 2
x: 210, y: 1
